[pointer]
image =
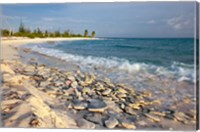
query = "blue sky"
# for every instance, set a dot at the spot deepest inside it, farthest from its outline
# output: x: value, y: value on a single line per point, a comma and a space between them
x: 136, y: 19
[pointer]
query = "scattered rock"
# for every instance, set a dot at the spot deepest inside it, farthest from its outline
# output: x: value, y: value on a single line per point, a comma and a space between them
x: 86, y: 90
x: 94, y: 117
x: 135, y: 106
x: 106, y: 92
x: 142, y: 123
x: 128, y: 124
x: 121, y: 95
x: 130, y: 111
x: 121, y: 90
x: 152, y: 117
x: 180, y: 116
x: 97, y: 106
x: 162, y: 114
x: 74, y: 84
x: 78, y: 105
x: 82, y: 123
x: 35, y: 123
x: 111, y: 122
x: 72, y: 78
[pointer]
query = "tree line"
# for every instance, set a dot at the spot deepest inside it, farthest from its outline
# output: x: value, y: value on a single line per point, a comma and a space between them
x: 38, y: 33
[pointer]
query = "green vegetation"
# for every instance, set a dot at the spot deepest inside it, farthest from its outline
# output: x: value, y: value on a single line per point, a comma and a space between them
x: 38, y: 33
x: 86, y: 33
x: 93, y: 34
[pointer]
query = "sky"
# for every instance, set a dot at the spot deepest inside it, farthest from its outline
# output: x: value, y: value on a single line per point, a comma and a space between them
x: 131, y: 20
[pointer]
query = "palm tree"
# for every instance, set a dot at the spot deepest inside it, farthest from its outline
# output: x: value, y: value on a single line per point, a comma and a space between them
x: 86, y: 33
x: 93, y: 34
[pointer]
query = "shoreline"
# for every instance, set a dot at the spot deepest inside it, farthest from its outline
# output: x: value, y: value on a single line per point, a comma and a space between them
x: 9, y: 46
x: 51, y: 96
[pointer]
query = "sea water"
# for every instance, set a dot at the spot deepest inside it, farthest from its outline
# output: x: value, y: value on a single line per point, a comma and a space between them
x: 167, y: 57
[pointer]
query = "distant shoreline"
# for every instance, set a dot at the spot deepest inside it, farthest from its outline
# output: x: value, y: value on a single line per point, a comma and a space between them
x: 10, y: 44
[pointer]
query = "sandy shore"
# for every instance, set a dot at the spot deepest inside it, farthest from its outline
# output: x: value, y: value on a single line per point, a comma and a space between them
x: 9, y: 45
x: 35, y: 95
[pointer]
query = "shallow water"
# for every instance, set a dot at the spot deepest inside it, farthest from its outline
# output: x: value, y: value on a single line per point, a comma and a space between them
x: 167, y: 58
x: 155, y: 65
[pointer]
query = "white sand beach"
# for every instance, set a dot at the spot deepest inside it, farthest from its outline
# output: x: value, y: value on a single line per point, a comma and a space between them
x: 9, y: 44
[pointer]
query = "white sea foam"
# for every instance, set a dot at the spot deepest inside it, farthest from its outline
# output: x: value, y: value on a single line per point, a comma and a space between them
x: 180, y: 71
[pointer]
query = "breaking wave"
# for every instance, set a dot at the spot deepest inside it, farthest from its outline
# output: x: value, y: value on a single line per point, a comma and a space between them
x: 178, y: 70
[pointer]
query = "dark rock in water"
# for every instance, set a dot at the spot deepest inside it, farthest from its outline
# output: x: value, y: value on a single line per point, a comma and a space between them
x: 111, y: 122
x: 95, y: 118
x: 82, y: 123
x: 97, y: 106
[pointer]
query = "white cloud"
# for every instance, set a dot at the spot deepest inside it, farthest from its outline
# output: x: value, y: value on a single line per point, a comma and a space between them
x: 65, y: 19
x: 151, y: 22
x: 48, y: 19
x: 178, y: 23
x: 5, y: 17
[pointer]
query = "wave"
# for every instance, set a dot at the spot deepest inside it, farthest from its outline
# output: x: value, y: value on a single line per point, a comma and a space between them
x: 178, y: 70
